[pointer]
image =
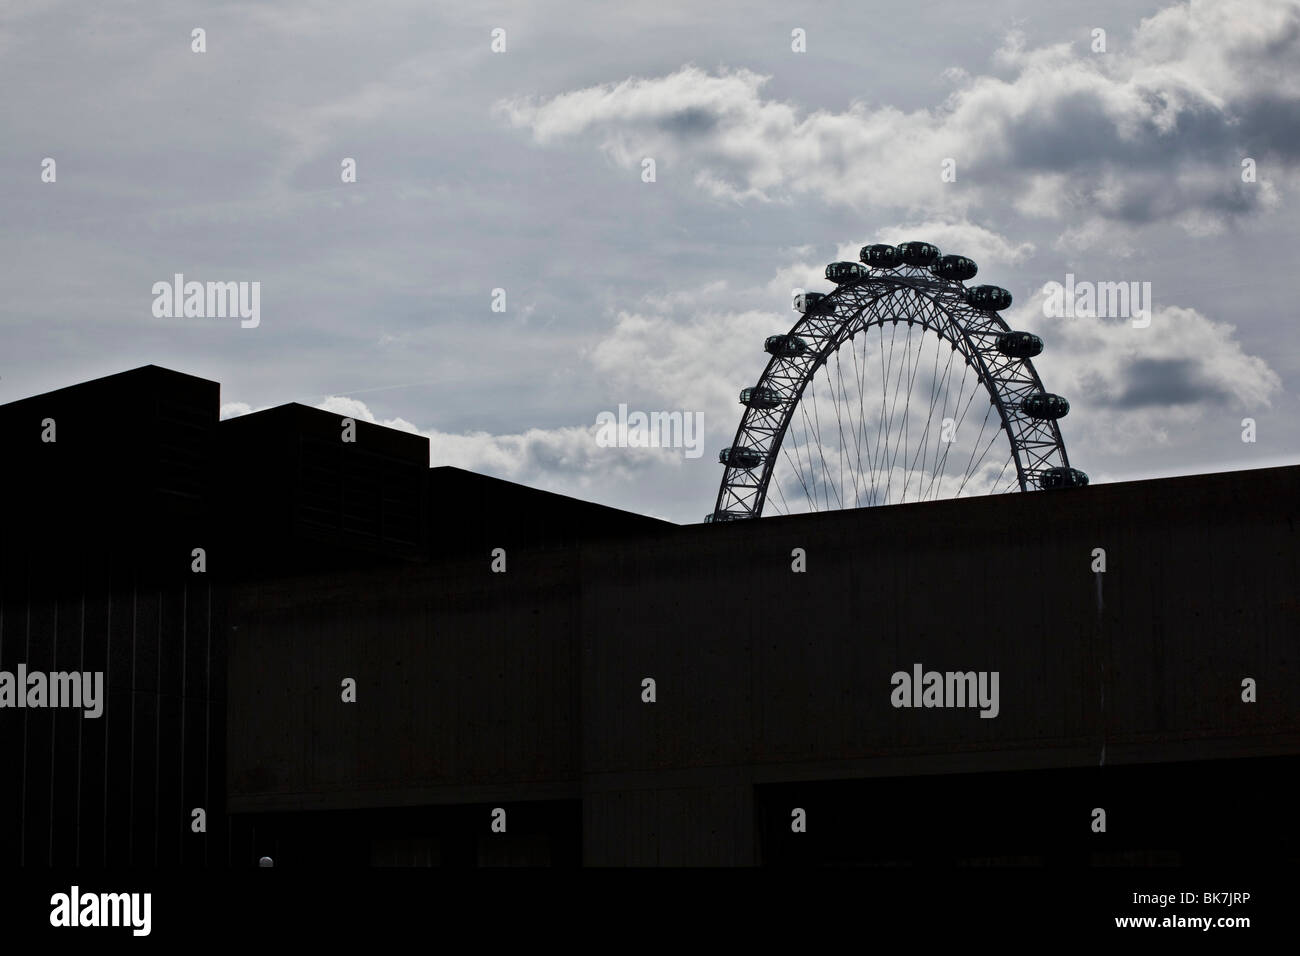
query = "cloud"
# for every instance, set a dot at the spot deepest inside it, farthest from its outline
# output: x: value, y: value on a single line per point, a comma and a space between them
x: 657, y: 295
x: 234, y: 410
x: 355, y: 408
x: 1162, y: 383
x: 693, y: 348
x: 1131, y: 388
x: 564, y: 458
x: 1153, y: 131
x: 694, y: 363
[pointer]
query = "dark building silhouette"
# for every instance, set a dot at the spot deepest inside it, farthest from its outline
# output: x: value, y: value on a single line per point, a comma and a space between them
x: 107, y: 487
x: 295, y: 496
x: 477, y: 690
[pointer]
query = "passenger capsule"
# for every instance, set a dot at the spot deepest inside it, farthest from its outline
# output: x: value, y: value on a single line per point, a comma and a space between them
x: 839, y: 272
x: 740, y: 457
x: 989, y: 297
x: 919, y: 254
x: 1020, y: 344
x: 1045, y: 405
x: 954, y: 267
x: 880, y: 256
x: 785, y: 346
x: 1061, y: 477
x: 757, y: 397
x: 808, y: 301
x: 719, y: 516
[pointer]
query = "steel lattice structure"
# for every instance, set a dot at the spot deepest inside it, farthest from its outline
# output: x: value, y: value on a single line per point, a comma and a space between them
x: 910, y: 284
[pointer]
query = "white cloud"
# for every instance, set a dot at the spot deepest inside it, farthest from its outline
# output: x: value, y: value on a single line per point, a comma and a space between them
x: 552, y: 458
x: 1151, y: 131
x: 698, y: 363
x: 234, y: 410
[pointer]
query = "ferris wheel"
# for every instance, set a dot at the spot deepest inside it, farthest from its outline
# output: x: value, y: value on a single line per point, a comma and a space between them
x: 863, y: 401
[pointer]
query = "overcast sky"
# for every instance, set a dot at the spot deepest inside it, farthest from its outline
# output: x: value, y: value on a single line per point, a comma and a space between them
x: 522, y: 170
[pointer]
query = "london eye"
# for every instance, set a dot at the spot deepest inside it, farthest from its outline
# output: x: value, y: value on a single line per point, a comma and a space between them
x: 901, y: 384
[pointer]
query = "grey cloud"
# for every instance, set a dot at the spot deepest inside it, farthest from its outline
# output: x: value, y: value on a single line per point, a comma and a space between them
x: 1162, y: 382
x: 694, y: 121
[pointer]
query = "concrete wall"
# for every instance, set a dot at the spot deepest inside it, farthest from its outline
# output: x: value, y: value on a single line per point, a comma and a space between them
x: 466, y: 687
x: 527, y: 686
x: 765, y: 675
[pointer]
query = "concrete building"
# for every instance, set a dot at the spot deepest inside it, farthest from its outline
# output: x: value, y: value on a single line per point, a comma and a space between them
x: 421, y: 666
